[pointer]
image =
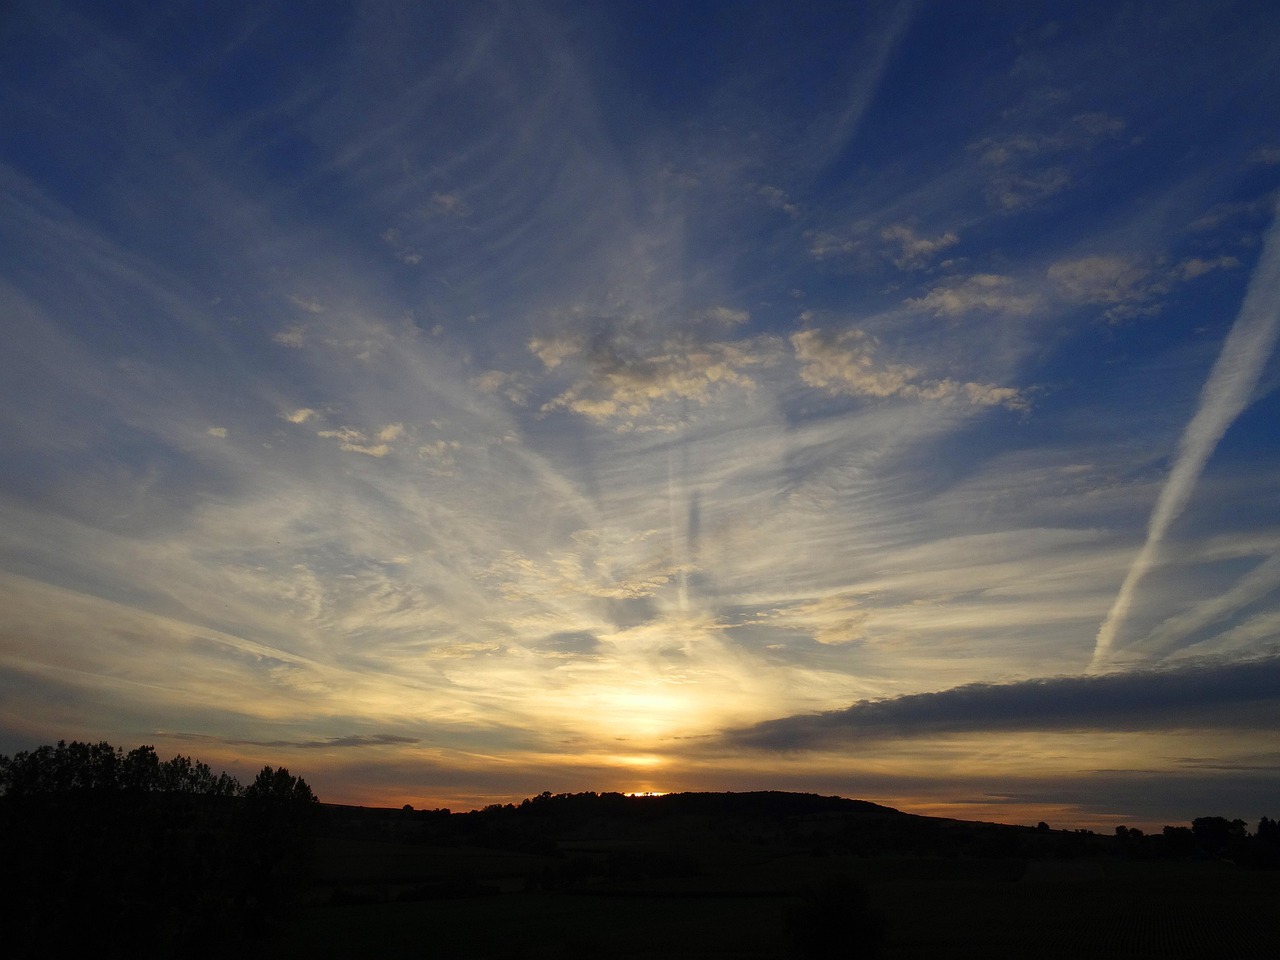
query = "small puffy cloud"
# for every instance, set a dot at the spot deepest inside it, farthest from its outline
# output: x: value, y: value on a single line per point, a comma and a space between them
x: 989, y: 395
x: 293, y: 337
x: 727, y: 317
x: 824, y: 245
x: 354, y: 441
x: 1028, y: 166
x: 553, y: 351
x: 988, y: 292
x: 1221, y: 214
x: 831, y: 620
x: 779, y: 200
x: 1267, y: 156
x: 1014, y: 191
x: 1125, y: 287
x: 311, y: 306
x: 844, y: 365
x: 403, y: 253
x: 373, y: 450
x: 1194, y: 267
x: 508, y: 385
x: 449, y: 204
x: 623, y: 380
x: 441, y: 454
x: 346, y: 435
x: 301, y: 415
x: 910, y: 251
x: 1082, y: 132
x: 1100, y: 280
x: 580, y: 573
x: 219, y: 432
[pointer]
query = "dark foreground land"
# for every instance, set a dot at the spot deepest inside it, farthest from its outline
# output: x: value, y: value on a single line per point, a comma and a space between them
x: 181, y: 864
x: 765, y: 876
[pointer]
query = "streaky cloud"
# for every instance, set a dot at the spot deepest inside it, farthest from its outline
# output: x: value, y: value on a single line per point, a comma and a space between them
x: 1225, y: 395
x: 354, y: 740
x: 1202, y: 693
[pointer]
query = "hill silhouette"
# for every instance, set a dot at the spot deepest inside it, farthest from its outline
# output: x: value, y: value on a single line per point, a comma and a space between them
x: 124, y: 855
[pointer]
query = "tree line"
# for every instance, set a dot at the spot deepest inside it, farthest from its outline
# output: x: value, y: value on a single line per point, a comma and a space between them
x: 76, y: 767
x: 152, y: 857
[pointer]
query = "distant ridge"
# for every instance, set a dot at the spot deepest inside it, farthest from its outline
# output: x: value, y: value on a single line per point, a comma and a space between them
x: 757, y: 802
x: 767, y: 803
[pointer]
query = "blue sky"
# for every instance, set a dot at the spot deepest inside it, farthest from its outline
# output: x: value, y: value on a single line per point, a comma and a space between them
x: 458, y: 401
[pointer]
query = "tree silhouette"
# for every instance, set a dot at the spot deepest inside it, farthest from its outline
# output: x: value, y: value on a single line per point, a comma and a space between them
x: 149, y: 857
x: 279, y: 814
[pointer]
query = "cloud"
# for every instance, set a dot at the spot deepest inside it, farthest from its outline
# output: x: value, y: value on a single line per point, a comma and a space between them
x: 844, y: 365
x: 1176, y: 631
x: 1082, y: 131
x: 778, y: 199
x: 406, y: 255
x: 1125, y: 286
x: 626, y: 381
x: 220, y: 432
x: 442, y: 454
x: 301, y: 415
x: 825, y: 245
x: 1227, y: 392
x: 727, y: 316
x: 1194, y: 267
x: 354, y: 740
x: 294, y: 337
x: 1031, y: 166
x: 450, y: 204
x: 355, y: 441
x: 909, y: 250
x: 1100, y: 279
x: 897, y: 243
x: 987, y: 292
x: 310, y: 306
x: 1196, y: 694
x: 510, y: 385
x: 834, y: 620
x: 1220, y: 214
x: 1265, y: 156
x: 1014, y: 191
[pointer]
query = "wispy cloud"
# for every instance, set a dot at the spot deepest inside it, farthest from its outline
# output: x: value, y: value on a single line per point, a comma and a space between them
x: 1226, y: 393
x: 483, y: 400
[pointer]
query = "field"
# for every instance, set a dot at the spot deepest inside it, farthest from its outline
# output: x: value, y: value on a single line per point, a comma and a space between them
x: 716, y: 898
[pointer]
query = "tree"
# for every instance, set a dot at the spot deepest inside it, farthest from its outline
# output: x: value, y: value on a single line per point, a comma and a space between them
x: 279, y: 789
x: 276, y: 857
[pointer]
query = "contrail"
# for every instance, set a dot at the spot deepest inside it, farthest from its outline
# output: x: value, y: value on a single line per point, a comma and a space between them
x: 1225, y: 394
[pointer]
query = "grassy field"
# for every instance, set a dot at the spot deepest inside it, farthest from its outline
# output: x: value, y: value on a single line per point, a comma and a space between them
x: 412, y: 900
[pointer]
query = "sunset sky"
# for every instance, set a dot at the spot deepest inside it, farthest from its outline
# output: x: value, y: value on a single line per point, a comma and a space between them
x: 456, y: 401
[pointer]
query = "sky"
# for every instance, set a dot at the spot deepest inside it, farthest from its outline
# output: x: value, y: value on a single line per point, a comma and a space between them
x: 457, y: 401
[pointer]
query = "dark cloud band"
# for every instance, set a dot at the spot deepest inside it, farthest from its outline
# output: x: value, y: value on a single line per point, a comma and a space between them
x: 1198, y: 694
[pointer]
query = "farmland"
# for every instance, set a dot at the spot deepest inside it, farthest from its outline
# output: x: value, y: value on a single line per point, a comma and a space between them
x: 737, y: 885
